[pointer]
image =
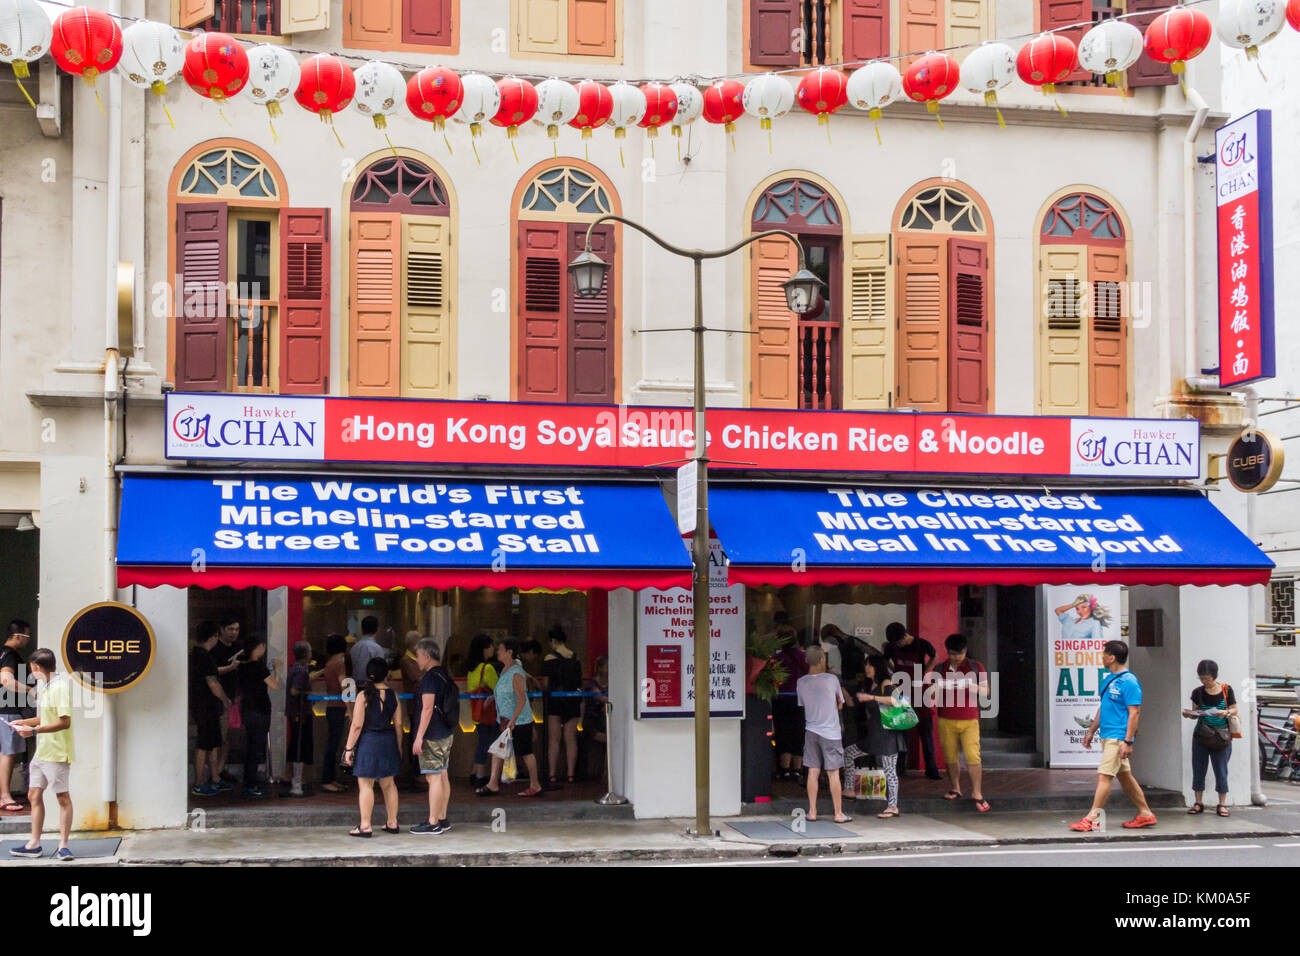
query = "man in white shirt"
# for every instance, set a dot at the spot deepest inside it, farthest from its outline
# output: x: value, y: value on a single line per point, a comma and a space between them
x: 821, y: 698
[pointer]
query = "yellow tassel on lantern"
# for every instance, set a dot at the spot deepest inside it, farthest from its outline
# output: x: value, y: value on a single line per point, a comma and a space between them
x: 390, y: 144
x: 475, y: 130
x: 991, y: 99
x: 19, y: 74
x: 20, y: 69
x: 1112, y: 77
x: 380, y: 121
x: 274, y: 108
x: 511, y: 133
x: 1178, y: 66
x: 159, y: 89
x: 824, y: 119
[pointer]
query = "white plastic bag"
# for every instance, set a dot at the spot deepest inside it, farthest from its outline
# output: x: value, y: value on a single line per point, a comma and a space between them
x: 503, y: 746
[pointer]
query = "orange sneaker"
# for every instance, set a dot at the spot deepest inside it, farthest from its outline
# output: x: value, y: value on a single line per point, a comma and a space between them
x: 1086, y: 825
x: 1139, y: 821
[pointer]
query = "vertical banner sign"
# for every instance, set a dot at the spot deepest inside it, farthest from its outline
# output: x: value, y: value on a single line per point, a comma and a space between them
x: 1080, y: 620
x: 666, y: 649
x: 1243, y: 189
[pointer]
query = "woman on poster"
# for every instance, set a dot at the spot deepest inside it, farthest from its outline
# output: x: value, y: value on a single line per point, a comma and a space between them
x: 1083, y: 619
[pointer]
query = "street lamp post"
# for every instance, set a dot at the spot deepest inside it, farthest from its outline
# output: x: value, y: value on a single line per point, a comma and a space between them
x: 801, y: 291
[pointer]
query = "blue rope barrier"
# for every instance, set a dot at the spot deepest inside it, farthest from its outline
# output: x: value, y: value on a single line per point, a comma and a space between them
x: 534, y: 695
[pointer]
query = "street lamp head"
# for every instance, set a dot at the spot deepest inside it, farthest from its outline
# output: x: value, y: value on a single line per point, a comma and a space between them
x: 801, y: 291
x: 588, y: 271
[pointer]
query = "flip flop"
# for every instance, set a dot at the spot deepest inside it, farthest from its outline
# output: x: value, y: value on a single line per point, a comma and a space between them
x: 1140, y: 821
x: 387, y: 829
x: 982, y: 806
x: 358, y: 832
x: 952, y: 795
x: 1085, y: 825
x: 485, y: 791
x: 530, y: 792
x: 845, y: 820
x: 12, y: 807
x: 889, y: 814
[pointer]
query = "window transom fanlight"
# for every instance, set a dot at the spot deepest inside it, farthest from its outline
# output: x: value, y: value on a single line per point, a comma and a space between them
x: 228, y: 173
x: 942, y: 209
x: 565, y: 192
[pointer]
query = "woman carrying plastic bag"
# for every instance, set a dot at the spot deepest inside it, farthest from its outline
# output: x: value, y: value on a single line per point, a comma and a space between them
x: 516, y: 722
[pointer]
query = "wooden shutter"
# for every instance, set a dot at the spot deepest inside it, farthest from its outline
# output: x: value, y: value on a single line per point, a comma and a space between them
x: 923, y: 322
x: 967, y: 22
x: 427, y: 22
x: 1063, y: 306
x: 543, y: 26
x: 920, y: 28
x: 773, y: 26
x: 305, y: 301
x: 373, y: 22
x: 1059, y: 13
x: 591, y: 27
x: 202, y: 328
x: 375, y: 290
x: 1108, y: 336
x: 774, y: 362
x: 543, y: 312
x: 590, y: 353
x: 190, y: 13
x: 866, y: 29
x: 427, y: 339
x: 1146, y: 71
x: 869, y: 325
x: 303, y: 16
x: 968, y: 331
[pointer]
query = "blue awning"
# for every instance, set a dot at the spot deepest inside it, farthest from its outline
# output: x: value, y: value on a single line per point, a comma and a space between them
x: 275, y: 531
x: 841, y: 535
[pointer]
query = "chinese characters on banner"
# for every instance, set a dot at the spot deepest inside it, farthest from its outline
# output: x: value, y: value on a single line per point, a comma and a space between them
x: 1244, y: 195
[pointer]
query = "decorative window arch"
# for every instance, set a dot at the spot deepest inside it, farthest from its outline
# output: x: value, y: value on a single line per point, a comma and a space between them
x: 566, y: 348
x: 796, y: 361
x: 1083, y: 266
x: 253, y: 310
x: 943, y: 286
x: 401, y: 315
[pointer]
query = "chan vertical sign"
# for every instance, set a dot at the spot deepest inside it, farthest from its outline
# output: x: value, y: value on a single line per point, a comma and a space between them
x: 1243, y: 188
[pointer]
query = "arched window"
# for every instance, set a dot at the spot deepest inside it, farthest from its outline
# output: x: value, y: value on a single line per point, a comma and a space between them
x: 944, y: 312
x: 796, y: 361
x: 252, y: 313
x: 566, y: 347
x: 1082, y: 322
x: 400, y: 289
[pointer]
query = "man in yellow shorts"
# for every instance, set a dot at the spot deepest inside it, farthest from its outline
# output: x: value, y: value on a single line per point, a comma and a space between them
x: 962, y: 682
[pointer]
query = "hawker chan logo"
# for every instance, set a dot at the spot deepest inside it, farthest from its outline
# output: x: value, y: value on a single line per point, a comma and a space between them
x: 256, y: 426
x: 1236, y: 149
x: 1143, y: 446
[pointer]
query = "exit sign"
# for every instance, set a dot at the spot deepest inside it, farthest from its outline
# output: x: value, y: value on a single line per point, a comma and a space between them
x: 367, y: 602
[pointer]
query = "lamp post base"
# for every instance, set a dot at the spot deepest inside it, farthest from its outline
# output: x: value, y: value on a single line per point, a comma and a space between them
x: 611, y: 799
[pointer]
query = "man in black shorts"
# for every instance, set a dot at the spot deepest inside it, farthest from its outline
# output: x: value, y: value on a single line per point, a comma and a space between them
x: 13, y: 706
x: 227, y: 654
x: 208, y: 701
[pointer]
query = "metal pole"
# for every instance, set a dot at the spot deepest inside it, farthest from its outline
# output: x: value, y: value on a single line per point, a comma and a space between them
x: 610, y: 799
x: 700, y: 553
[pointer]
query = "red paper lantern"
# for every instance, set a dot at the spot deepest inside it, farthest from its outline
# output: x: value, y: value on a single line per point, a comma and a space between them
x: 216, y: 66
x: 595, y: 107
x: 822, y: 92
x: 434, y: 94
x: 722, y: 104
x: 660, y: 108
x: 326, y: 86
x: 518, y: 104
x: 1177, y: 36
x: 931, y: 78
x: 1047, y: 60
x: 1293, y: 14
x: 86, y: 42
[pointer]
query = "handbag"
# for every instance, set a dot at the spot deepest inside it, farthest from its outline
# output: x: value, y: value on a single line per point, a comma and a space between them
x: 235, y: 716
x: 1234, y: 720
x: 902, y: 717
x: 483, y: 710
x: 1211, y: 738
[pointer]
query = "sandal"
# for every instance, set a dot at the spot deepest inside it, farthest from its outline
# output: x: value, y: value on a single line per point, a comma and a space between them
x: 486, y: 791
x: 1221, y: 810
x: 982, y: 805
x: 387, y: 829
x: 889, y: 814
x: 572, y: 779
x: 358, y: 832
x: 952, y: 795
x: 1086, y: 825
x: 530, y: 792
x: 12, y: 807
x: 1196, y: 808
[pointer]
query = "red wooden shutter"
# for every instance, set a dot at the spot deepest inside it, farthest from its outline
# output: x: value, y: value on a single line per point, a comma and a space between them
x: 920, y: 28
x: 427, y: 22
x: 1146, y: 71
x: 1108, y: 338
x: 304, y: 301
x: 543, y: 312
x: 592, y: 28
x: 866, y: 29
x: 1059, y: 13
x: 773, y: 26
x: 923, y: 322
x: 774, y: 358
x: 202, y: 359
x: 590, y: 360
x: 968, y: 331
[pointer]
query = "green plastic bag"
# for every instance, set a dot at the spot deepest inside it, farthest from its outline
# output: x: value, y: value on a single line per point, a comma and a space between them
x: 902, y: 717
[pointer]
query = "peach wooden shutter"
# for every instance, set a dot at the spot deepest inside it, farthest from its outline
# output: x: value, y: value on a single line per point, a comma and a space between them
x: 869, y: 325
x: 774, y: 365
x: 1063, y: 305
x: 373, y: 21
x: 543, y: 26
x: 968, y: 331
x: 592, y: 27
x: 374, y: 290
x: 427, y: 339
x: 1108, y: 336
x: 543, y: 312
x: 923, y: 322
x: 303, y: 16
x: 920, y: 27
x: 202, y: 329
x: 190, y: 13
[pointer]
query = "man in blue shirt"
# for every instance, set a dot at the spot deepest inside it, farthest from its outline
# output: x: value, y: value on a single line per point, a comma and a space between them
x: 1116, y: 726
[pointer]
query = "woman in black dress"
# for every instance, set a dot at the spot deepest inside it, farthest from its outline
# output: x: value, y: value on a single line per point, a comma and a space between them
x: 877, y: 691
x: 563, y: 672
x: 374, y: 747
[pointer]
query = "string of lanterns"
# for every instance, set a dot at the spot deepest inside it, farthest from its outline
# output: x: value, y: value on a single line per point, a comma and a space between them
x: 148, y: 55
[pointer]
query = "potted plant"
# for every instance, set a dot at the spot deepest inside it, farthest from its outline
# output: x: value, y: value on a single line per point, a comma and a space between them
x: 763, y: 675
x: 763, y: 678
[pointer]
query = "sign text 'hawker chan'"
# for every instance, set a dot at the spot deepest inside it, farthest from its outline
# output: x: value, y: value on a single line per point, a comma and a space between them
x: 296, y: 428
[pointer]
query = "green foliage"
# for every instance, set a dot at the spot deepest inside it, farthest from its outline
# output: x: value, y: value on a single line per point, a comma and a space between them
x: 764, y: 646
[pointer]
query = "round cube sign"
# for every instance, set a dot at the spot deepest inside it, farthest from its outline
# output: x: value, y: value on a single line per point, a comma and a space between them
x: 108, y: 647
x: 1255, y: 461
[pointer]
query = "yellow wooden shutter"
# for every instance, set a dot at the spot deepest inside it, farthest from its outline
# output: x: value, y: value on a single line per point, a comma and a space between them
x: 966, y: 21
x: 542, y: 26
x: 302, y: 16
x: 869, y: 324
x: 427, y: 335
x: 190, y: 13
x: 1063, y: 309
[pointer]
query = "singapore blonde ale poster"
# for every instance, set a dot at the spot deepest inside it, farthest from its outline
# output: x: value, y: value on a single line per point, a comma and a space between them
x: 1080, y: 620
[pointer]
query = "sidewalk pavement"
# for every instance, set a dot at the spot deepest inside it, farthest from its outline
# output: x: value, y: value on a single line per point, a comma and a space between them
x: 658, y: 840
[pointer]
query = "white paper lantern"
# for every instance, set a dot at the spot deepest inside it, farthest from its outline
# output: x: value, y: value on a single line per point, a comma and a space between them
x: 152, y: 55
x: 873, y: 87
x: 1110, y: 47
x: 557, y: 103
x: 273, y: 76
x: 690, y: 104
x: 767, y: 97
x: 988, y: 68
x: 1246, y: 24
x: 629, y: 107
x: 482, y: 99
x: 25, y: 34
x: 381, y: 92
